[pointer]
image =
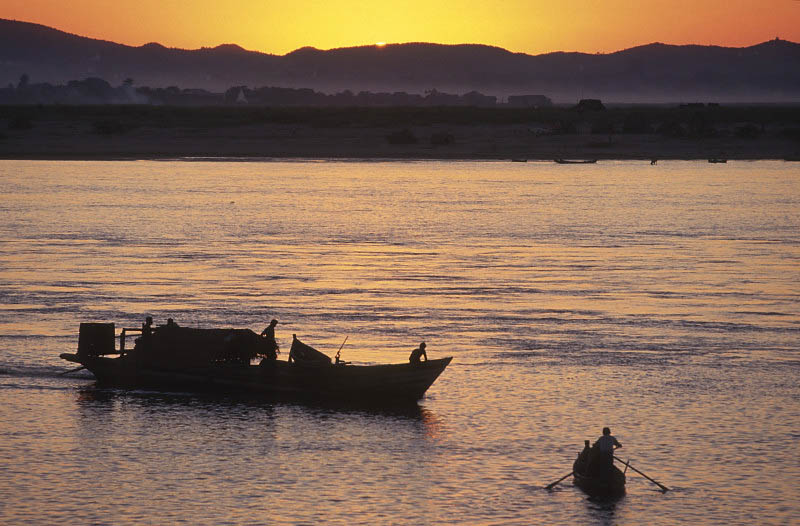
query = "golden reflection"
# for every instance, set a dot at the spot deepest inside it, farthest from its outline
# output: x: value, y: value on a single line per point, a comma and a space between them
x: 433, y: 425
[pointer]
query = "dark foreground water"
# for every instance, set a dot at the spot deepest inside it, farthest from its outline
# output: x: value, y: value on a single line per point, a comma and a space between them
x: 662, y: 301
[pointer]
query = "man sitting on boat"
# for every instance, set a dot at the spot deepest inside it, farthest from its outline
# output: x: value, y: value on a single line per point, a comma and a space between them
x: 417, y: 354
x: 582, y: 462
x: 270, y: 344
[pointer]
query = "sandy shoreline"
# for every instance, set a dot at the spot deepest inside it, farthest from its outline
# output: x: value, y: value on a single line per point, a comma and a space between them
x: 79, y: 139
x: 472, y: 143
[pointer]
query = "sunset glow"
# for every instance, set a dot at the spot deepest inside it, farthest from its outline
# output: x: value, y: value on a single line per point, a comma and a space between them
x: 527, y: 26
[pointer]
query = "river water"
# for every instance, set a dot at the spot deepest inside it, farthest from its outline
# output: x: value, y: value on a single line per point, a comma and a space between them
x: 661, y: 301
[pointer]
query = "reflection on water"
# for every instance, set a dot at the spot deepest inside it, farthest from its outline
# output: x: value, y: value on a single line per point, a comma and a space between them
x: 660, y: 301
x: 238, y: 404
x: 604, y: 513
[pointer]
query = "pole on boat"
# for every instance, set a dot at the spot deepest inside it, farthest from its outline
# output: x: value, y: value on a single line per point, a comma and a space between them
x: 552, y: 484
x: 339, y: 352
x: 657, y: 483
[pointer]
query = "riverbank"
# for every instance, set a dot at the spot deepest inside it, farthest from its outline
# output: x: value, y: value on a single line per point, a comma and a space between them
x: 129, y: 132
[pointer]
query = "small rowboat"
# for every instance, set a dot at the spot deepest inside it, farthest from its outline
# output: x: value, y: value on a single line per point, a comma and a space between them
x: 596, y: 477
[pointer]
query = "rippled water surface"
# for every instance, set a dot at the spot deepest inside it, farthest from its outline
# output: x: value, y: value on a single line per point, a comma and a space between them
x: 659, y: 300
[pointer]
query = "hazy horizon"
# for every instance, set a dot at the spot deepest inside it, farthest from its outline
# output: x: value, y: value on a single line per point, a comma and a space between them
x: 646, y: 74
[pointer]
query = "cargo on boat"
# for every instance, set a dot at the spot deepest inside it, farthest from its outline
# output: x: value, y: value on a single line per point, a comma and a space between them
x: 179, y: 358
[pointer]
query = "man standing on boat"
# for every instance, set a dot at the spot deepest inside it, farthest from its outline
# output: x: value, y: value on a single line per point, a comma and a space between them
x: 270, y: 343
x: 605, y: 447
x: 417, y: 354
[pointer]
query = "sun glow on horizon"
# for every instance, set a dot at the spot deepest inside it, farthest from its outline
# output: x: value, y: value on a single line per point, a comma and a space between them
x: 523, y: 26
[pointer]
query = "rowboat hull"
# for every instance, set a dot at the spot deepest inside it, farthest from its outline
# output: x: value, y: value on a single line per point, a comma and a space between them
x: 610, y: 485
x: 395, y: 383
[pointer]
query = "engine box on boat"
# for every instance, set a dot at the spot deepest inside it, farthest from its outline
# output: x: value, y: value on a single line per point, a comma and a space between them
x: 96, y: 339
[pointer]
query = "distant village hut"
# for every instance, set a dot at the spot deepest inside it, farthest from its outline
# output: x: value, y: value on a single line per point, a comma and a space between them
x: 590, y: 105
x: 479, y: 100
x: 529, y: 101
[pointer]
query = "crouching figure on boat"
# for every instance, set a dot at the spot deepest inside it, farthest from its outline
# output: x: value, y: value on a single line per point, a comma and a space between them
x: 418, y: 353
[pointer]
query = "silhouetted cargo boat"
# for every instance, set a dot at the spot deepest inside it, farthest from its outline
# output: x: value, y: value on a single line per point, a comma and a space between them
x: 575, y: 161
x: 178, y: 358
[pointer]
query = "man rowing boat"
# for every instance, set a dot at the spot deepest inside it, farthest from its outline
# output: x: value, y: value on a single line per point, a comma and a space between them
x: 605, y: 446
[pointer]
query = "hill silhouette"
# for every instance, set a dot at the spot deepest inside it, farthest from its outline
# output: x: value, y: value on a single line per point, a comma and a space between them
x: 767, y: 72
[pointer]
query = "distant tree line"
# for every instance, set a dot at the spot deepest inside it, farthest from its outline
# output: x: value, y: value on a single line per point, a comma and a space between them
x: 115, y: 110
x: 89, y: 91
x: 95, y: 90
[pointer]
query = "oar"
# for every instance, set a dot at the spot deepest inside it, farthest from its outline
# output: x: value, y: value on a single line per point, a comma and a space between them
x: 550, y: 486
x: 72, y: 370
x: 657, y: 483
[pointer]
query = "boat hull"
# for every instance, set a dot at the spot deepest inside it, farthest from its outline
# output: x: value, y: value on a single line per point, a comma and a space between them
x: 608, y: 486
x: 394, y: 382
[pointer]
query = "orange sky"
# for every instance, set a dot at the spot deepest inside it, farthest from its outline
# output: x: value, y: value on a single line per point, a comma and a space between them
x: 528, y: 26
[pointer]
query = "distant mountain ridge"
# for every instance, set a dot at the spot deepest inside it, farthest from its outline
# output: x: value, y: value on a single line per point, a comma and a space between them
x: 766, y: 72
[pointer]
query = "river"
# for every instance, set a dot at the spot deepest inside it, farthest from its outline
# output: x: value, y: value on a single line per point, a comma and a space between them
x: 661, y: 301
